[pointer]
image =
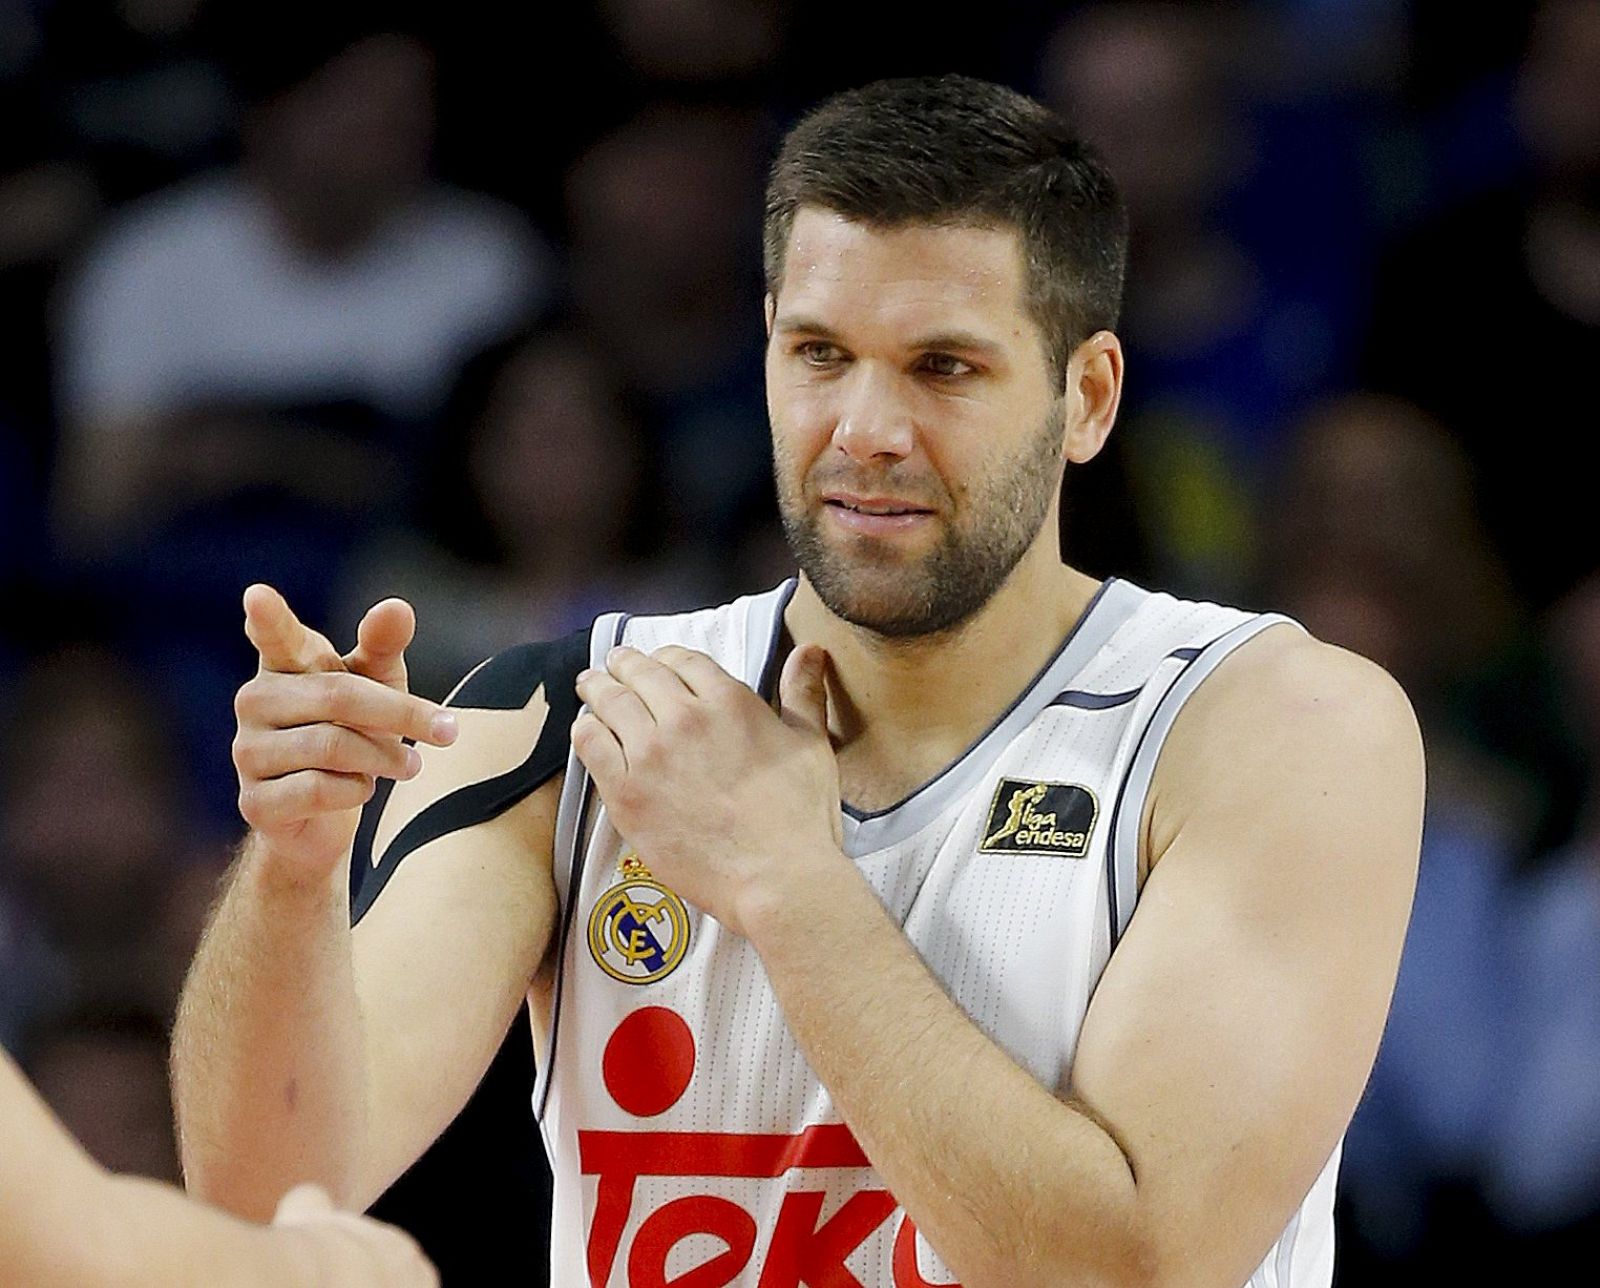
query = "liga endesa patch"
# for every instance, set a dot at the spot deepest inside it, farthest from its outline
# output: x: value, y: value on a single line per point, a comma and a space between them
x: 1040, y: 818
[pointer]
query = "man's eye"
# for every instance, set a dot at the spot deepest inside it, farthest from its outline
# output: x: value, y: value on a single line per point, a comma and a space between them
x: 945, y: 364
x: 819, y: 353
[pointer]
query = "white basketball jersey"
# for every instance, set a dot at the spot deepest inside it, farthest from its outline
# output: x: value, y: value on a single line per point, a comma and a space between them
x: 685, y: 1129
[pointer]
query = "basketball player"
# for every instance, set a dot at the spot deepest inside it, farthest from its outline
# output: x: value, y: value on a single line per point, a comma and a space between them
x: 66, y: 1221
x: 1028, y: 930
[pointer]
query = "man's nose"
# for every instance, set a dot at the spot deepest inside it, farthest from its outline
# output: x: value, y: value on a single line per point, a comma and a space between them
x: 874, y: 421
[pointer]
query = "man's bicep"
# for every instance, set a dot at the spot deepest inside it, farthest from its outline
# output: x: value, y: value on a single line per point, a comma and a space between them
x: 1232, y: 1031
x: 453, y: 899
x: 515, y: 713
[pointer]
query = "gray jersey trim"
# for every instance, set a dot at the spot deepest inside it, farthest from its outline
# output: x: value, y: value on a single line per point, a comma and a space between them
x: 1113, y: 605
x: 1124, y: 886
x: 567, y: 859
x: 763, y: 635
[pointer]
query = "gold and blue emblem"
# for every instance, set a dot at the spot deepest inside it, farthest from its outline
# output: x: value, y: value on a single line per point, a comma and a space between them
x: 639, y: 929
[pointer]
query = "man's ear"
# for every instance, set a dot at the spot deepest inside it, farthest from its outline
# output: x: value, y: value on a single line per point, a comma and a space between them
x: 769, y: 306
x: 1093, y: 393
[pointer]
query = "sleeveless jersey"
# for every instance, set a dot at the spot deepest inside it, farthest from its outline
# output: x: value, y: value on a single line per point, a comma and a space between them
x: 691, y: 1143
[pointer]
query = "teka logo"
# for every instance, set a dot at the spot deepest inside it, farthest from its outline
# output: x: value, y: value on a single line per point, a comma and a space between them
x: 799, y: 1251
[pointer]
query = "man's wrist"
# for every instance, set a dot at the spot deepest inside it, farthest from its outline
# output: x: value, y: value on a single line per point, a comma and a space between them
x: 788, y: 896
x: 277, y: 875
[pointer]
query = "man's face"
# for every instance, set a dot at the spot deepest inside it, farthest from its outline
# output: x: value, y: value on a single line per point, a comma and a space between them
x: 917, y: 433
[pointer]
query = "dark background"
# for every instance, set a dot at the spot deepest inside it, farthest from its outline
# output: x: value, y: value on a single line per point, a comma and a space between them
x: 364, y: 301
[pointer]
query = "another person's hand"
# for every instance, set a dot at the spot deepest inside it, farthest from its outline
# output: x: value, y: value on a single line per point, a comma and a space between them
x: 352, y: 1251
x: 317, y: 729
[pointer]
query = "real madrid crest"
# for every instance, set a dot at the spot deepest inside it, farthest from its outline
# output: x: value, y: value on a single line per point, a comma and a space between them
x: 639, y: 929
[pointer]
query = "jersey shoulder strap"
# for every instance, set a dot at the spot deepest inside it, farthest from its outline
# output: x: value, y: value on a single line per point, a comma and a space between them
x: 503, y: 683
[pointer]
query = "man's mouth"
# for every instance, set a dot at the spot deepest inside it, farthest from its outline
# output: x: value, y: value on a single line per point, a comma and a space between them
x: 875, y: 506
x: 876, y: 516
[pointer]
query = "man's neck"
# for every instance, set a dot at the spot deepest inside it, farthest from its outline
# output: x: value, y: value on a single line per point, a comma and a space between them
x: 901, y: 709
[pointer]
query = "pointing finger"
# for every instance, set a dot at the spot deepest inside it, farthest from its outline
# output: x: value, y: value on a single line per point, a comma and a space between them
x: 354, y: 701
x: 282, y: 640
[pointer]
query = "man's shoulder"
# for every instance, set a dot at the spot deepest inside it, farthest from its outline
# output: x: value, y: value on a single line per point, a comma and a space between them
x: 508, y: 680
x: 1286, y: 682
x: 1285, y: 715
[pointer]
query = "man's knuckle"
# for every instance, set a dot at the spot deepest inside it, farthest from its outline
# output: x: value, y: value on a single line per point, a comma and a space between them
x: 327, y: 745
x: 247, y: 701
x: 627, y: 796
x: 246, y: 754
x: 254, y: 804
x: 333, y: 697
x: 649, y: 751
x: 316, y: 790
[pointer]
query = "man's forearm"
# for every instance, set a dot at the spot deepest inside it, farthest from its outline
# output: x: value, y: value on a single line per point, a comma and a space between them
x: 1010, y: 1184
x: 269, y: 1062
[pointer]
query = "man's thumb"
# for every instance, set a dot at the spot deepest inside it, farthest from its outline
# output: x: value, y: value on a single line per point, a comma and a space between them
x: 803, y: 689
x: 381, y: 641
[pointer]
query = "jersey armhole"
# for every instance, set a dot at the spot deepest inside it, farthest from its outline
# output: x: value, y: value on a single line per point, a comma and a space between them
x: 1127, y: 816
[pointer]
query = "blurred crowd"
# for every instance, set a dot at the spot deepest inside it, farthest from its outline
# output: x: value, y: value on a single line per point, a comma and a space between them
x: 361, y: 299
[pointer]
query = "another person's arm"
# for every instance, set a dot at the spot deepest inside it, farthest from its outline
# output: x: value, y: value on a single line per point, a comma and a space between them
x: 67, y: 1223
x: 305, y: 1051
x: 1229, y: 1037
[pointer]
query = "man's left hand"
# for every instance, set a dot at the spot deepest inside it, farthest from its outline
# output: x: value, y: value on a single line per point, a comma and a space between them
x: 726, y: 801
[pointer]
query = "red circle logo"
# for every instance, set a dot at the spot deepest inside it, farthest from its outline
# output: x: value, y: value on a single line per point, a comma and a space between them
x: 648, y: 1061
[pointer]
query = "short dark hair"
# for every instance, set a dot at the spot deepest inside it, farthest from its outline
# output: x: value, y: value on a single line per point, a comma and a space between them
x: 954, y: 150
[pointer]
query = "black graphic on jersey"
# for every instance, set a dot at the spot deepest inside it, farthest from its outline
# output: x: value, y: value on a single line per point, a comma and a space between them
x: 504, y: 683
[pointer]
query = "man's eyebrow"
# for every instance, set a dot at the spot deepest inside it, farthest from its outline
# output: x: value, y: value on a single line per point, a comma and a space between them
x: 936, y: 341
x: 796, y: 324
x: 959, y: 341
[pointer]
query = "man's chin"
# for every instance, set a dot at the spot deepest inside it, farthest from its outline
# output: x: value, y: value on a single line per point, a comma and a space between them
x: 896, y: 607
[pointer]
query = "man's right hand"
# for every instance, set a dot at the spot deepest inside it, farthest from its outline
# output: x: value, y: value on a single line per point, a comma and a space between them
x: 317, y: 729
x: 351, y: 1250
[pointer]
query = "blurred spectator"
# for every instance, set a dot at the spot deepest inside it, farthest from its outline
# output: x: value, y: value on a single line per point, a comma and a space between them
x: 48, y: 200
x: 94, y: 825
x: 138, y: 90
x: 1489, y: 314
x: 103, y: 1071
x: 1476, y: 1151
x: 678, y: 42
x: 327, y: 268
x: 664, y: 217
x: 1245, y: 224
x: 22, y: 522
x: 541, y: 508
x: 1544, y: 1157
x: 1374, y: 543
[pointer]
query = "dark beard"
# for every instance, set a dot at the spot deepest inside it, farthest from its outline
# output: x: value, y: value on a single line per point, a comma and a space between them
x: 959, y: 576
